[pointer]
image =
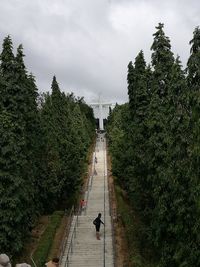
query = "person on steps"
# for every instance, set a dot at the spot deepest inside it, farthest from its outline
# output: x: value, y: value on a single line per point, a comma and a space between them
x: 53, y: 263
x: 97, y: 222
x: 83, y: 204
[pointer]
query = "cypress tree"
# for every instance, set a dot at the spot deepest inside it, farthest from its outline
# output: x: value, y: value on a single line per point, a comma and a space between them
x: 42, y: 149
x: 7, y: 68
x: 66, y: 140
x: 155, y: 145
x: 158, y: 138
x: 15, y: 199
x: 137, y: 133
x: 13, y: 188
x: 50, y: 123
x: 162, y: 61
x: 193, y: 64
x: 120, y: 144
x: 130, y: 81
x: 7, y: 58
x: 140, y: 86
x: 193, y: 80
x: 18, y: 127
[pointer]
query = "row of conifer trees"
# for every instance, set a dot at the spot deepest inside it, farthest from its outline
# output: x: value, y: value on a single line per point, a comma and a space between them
x: 154, y: 140
x: 43, y: 145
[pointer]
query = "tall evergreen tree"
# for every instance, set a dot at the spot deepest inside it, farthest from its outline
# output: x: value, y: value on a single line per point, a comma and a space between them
x: 193, y: 78
x: 162, y: 156
x: 193, y: 64
x: 130, y: 81
x: 7, y: 73
x: 42, y: 149
x: 12, y: 163
x: 16, y: 169
x: 137, y: 132
x: 7, y: 58
x: 66, y: 139
x: 119, y: 145
x: 162, y: 60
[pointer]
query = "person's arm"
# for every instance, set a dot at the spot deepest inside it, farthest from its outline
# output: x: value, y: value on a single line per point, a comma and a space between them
x: 102, y: 222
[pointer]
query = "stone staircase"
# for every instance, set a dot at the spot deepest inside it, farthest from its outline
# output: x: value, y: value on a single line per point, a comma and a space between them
x: 86, y: 250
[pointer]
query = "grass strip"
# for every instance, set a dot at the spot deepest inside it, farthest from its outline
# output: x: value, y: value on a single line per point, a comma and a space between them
x: 140, y: 255
x: 41, y: 253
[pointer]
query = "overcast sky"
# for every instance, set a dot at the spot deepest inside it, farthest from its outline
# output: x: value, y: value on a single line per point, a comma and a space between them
x: 88, y: 44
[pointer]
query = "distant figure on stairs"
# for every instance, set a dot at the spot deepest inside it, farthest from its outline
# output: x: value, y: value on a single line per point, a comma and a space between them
x: 53, y: 263
x: 97, y: 222
x: 83, y: 204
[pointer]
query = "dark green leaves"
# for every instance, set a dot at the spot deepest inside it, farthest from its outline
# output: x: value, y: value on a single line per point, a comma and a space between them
x: 156, y: 149
x: 43, y: 148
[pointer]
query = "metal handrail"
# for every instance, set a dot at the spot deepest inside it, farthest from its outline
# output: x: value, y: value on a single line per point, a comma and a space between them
x: 90, y: 180
x: 104, y: 244
x: 89, y: 185
x: 70, y: 249
x: 111, y: 193
x: 111, y: 211
x: 67, y: 228
x: 94, y: 162
x: 87, y: 195
x: 31, y: 257
x: 113, y: 238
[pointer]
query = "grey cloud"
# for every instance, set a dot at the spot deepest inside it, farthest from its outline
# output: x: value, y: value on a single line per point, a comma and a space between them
x: 88, y: 44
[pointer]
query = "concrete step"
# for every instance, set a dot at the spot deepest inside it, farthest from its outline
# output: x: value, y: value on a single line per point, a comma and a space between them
x: 87, y: 251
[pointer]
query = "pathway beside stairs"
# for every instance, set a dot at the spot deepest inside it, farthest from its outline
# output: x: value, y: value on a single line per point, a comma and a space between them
x: 87, y: 250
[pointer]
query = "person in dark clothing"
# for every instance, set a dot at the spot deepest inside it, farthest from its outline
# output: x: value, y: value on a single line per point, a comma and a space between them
x: 97, y: 222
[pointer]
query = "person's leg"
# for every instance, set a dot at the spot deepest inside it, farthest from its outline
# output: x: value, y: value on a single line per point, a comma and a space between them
x: 97, y: 235
x: 97, y: 232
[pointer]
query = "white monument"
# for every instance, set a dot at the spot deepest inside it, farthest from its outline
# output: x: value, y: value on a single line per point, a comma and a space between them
x: 101, y: 111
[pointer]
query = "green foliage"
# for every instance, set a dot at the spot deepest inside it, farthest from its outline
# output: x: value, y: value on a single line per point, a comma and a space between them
x: 67, y: 138
x: 16, y: 170
x: 118, y: 143
x: 193, y: 64
x: 13, y: 189
x: 46, y: 240
x: 162, y: 56
x: 156, y: 151
x: 43, y: 148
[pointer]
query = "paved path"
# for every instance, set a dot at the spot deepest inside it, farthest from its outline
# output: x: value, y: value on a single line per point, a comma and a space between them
x: 87, y: 250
